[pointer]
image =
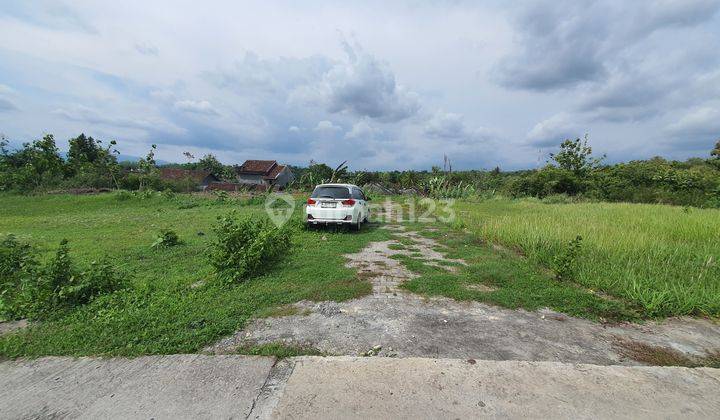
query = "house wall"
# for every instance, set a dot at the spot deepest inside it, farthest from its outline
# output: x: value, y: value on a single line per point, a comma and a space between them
x: 250, y: 179
x: 284, y: 177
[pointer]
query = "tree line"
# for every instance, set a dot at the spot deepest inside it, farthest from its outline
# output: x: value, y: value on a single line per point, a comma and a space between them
x: 573, y: 173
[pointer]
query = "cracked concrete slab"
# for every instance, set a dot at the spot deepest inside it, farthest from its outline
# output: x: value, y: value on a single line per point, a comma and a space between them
x: 160, y: 387
x: 195, y: 386
x: 360, y: 388
x: 408, y: 325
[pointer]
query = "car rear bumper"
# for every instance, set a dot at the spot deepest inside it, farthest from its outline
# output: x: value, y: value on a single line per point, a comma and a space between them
x: 318, y: 215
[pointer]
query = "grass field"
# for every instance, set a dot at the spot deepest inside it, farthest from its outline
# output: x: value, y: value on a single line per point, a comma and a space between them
x: 657, y: 260
x: 162, y: 312
x: 664, y: 259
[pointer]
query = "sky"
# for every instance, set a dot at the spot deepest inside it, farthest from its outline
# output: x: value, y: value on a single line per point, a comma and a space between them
x: 383, y: 85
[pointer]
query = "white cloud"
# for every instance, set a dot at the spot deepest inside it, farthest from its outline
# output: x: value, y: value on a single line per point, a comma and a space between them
x: 197, y: 107
x: 554, y: 130
x: 362, y: 130
x: 326, y: 126
x: 699, y: 124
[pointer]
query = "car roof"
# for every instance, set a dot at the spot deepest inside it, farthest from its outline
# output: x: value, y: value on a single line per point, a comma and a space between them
x: 338, y: 185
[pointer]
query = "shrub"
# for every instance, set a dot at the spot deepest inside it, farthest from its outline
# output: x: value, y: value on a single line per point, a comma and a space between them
x: 246, y: 245
x: 564, y: 263
x: 166, y: 238
x: 32, y: 291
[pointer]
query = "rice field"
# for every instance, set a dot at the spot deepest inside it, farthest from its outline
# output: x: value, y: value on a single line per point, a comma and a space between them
x: 663, y: 259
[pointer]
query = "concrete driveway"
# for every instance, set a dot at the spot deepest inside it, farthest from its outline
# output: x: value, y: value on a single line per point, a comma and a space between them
x: 201, y: 386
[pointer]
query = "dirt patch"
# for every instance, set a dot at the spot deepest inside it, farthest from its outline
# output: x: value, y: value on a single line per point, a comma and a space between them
x: 11, y: 326
x: 399, y: 323
x: 480, y: 288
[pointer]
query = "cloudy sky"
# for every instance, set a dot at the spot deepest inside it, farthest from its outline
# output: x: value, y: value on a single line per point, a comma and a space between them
x: 386, y: 85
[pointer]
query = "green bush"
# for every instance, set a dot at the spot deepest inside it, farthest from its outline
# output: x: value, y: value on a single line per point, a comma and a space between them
x: 565, y: 262
x: 28, y: 290
x: 246, y: 245
x: 166, y: 238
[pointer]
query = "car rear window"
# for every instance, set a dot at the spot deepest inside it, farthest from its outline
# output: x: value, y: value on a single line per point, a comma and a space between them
x: 331, y: 192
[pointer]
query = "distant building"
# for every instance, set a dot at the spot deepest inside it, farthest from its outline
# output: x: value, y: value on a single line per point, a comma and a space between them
x: 201, y: 178
x: 264, y: 174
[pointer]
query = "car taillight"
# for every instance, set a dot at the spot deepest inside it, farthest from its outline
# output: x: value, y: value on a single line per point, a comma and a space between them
x: 310, y: 201
x: 348, y: 203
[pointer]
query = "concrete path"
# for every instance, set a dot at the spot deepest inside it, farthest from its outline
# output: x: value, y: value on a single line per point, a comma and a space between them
x: 160, y: 387
x: 196, y: 386
x: 405, y: 324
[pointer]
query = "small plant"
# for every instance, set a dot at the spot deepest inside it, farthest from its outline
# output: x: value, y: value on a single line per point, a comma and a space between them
x: 245, y: 246
x: 166, y: 238
x: 564, y: 263
x: 221, y: 196
x: 123, y: 195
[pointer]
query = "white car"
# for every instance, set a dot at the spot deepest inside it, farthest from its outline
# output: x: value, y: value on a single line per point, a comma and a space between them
x: 337, y: 204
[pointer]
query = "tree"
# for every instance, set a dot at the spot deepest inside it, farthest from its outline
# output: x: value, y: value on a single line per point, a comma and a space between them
x: 716, y: 151
x: 147, y: 169
x: 576, y: 156
x: 83, y: 150
x: 211, y: 164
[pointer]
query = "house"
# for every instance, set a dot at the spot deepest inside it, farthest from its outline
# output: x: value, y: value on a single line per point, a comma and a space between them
x: 201, y: 178
x: 264, y: 174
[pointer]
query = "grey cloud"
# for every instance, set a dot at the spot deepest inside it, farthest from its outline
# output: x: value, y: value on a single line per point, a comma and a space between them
x: 85, y: 114
x: 451, y: 126
x: 366, y: 87
x: 252, y: 74
x: 565, y: 43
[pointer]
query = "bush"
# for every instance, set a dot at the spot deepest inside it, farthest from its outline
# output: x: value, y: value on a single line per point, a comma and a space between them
x: 32, y: 291
x: 166, y: 238
x: 245, y: 246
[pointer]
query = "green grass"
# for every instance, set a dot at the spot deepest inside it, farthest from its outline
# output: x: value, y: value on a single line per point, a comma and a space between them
x: 279, y: 350
x: 664, y: 259
x: 513, y: 281
x: 162, y: 312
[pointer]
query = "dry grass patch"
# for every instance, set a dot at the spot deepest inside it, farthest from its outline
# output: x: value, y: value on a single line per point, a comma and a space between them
x: 662, y: 356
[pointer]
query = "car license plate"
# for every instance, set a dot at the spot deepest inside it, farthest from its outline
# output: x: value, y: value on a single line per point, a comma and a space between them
x: 328, y: 205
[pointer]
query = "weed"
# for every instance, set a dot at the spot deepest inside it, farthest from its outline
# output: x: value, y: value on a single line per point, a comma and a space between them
x: 36, y: 292
x: 166, y: 238
x: 564, y: 263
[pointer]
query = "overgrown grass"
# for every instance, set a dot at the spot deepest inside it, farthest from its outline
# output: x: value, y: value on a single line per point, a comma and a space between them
x: 512, y: 281
x: 164, y: 311
x: 664, y: 259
